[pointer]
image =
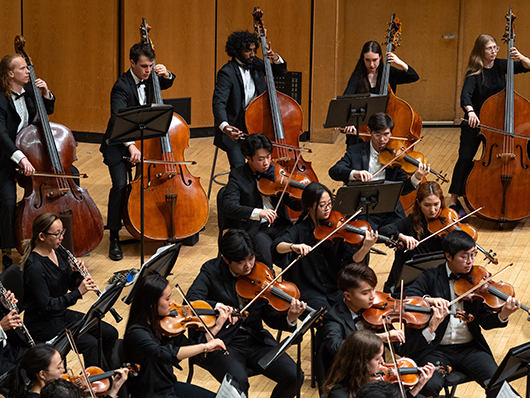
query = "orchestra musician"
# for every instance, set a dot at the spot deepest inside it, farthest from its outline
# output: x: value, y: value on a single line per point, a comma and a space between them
x: 447, y: 339
x: 61, y: 388
x: 246, y: 340
x: 51, y: 286
x: 428, y: 204
x: 157, y: 354
x: 238, y: 82
x: 133, y: 88
x: 316, y: 272
x: 361, y: 161
x: 366, y: 77
x: 17, y: 110
x: 359, y: 357
x: 12, y: 349
x: 247, y: 208
x: 485, y: 76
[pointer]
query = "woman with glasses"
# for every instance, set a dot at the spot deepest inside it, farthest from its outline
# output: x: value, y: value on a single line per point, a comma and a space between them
x: 485, y: 76
x: 316, y: 272
x: 51, y: 286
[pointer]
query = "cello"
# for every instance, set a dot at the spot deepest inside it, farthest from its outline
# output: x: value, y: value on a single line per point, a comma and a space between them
x: 499, y: 181
x: 277, y: 116
x: 50, y: 147
x: 176, y: 205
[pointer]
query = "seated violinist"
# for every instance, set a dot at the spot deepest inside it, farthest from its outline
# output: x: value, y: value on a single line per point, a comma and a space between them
x: 358, y: 359
x: 247, y: 208
x: 247, y: 341
x: 13, y: 346
x: 361, y: 162
x: 447, y: 339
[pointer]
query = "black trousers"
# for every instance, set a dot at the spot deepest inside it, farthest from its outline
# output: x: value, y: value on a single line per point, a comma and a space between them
x: 186, y: 390
x: 469, y: 143
x: 233, y: 151
x: 10, y: 355
x: 8, y: 201
x: 245, y: 352
x: 468, y: 358
x: 118, y: 175
x: 378, y: 220
x: 264, y: 238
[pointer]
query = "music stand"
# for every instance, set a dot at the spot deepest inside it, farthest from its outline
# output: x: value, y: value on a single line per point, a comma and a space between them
x: 141, y: 123
x: 354, y: 110
x: 295, y: 338
x: 414, y: 267
x: 161, y: 263
x: 374, y: 196
x: 516, y: 364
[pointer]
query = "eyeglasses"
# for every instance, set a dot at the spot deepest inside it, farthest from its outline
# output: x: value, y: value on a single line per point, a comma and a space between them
x: 324, y: 206
x: 469, y: 257
x: 57, y: 234
x: 493, y: 49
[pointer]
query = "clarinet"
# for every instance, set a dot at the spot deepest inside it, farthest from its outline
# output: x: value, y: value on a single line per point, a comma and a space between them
x: 13, y: 307
x: 86, y: 274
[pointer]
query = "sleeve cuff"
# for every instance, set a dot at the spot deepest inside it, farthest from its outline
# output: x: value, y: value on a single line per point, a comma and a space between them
x: 351, y: 177
x: 280, y: 60
x: 129, y: 143
x: 255, y: 215
x: 3, y: 337
x: 428, y: 335
x: 415, y: 181
x: 17, y: 156
x: 503, y: 322
x: 291, y: 323
x: 223, y: 125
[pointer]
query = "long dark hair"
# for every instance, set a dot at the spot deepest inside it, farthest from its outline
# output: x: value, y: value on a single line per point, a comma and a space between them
x: 350, y: 367
x: 360, y: 68
x: 37, y: 358
x: 311, y: 195
x: 144, y: 307
x: 42, y: 223
x: 426, y: 189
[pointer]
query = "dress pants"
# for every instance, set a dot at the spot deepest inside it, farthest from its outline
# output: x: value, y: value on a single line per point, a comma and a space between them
x: 469, y: 143
x: 118, y: 175
x: 8, y: 201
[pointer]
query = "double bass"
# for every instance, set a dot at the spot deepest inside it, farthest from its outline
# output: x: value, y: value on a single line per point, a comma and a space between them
x: 50, y: 147
x: 176, y: 205
x: 499, y: 181
x: 277, y: 116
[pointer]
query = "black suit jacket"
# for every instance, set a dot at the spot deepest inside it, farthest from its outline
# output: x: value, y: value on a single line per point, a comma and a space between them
x: 435, y: 283
x: 9, y: 121
x: 338, y: 324
x: 242, y: 196
x: 357, y: 157
x: 215, y: 284
x: 229, y: 96
x: 124, y: 94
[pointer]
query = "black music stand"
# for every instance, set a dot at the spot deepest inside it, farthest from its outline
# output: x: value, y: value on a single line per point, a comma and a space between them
x: 141, y: 123
x: 354, y: 110
x: 414, y: 267
x: 374, y: 196
x: 161, y: 263
x: 516, y: 364
x: 295, y: 338
x: 94, y: 316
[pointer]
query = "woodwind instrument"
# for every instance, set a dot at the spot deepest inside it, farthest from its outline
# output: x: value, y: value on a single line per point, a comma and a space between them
x: 13, y: 307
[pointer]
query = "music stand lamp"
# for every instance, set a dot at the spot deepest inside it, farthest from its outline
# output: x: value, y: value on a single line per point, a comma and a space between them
x: 141, y: 123
x: 375, y: 197
x: 354, y: 110
x: 516, y: 364
x: 295, y: 338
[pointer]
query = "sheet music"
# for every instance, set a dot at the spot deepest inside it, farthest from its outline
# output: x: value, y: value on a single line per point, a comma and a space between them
x: 506, y: 391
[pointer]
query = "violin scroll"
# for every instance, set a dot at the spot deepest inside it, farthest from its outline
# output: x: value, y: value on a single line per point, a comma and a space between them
x: 464, y: 316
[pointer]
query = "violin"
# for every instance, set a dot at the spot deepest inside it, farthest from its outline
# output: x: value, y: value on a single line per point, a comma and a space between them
x: 296, y: 186
x: 408, y: 370
x: 98, y: 379
x: 448, y: 216
x: 353, y: 233
x: 493, y: 294
x: 182, y: 317
x: 278, y: 294
x: 414, y: 311
x: 409, y: 161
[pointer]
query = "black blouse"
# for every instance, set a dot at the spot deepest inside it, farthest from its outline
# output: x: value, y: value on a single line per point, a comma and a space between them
x: 396, y: 76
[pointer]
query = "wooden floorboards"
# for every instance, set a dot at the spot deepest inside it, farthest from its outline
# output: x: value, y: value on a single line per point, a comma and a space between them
x: 440, y: 146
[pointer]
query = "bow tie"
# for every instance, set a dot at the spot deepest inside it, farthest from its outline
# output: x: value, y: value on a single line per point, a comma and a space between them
x: 141, y: 83
x: 470, y: 279
x: 269, y: 174
x: 17, y: 95
x: 246, y: 66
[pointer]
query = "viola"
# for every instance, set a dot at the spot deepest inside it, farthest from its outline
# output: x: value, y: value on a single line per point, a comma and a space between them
x: 493, y: 294
x: 182, y: 317
x: 448, y: 216
x: 408, y: 370
x: 98, y: 379
x: 295, y: 188
x: 409, y: 161
x: 50, y: 147
x: 278, y: 294
x: 353, y: 233
x: 176, y: 205
x: 414, y: 311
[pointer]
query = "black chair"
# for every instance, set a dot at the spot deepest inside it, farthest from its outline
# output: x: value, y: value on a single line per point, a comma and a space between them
x: 452, y: 380
x: 223, y: 222
x: 13, y: 279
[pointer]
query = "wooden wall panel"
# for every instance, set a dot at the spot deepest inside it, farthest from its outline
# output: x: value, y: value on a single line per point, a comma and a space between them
x: 10, y: 23
x: 184, y: 36
x: 73, y: 45
x: 288, y: 25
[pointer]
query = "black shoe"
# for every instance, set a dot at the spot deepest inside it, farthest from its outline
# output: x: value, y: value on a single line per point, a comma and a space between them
x: 115, y: 252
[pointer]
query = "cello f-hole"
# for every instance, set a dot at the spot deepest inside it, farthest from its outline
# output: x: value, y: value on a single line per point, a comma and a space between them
x: 490, y: 156
x: 525, y: 167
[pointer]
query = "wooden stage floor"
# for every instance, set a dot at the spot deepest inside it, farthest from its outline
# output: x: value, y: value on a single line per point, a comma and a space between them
x: 439, y: 146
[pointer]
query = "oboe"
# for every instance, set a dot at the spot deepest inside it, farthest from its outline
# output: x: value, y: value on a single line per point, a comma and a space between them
x: 86, y: 274
x: 10, y: 306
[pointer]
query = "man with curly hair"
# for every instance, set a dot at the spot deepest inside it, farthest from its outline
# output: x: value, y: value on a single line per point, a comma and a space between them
x: 239, y: 81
